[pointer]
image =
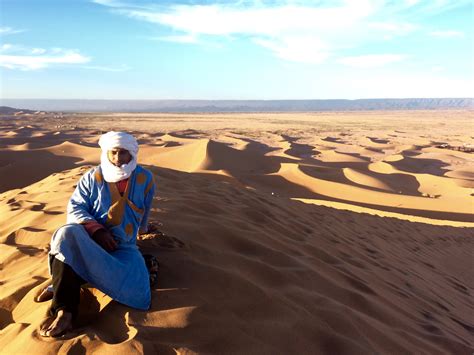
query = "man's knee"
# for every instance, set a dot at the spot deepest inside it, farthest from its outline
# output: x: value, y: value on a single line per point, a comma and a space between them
x: 66, y: 234
x: 69, y: 229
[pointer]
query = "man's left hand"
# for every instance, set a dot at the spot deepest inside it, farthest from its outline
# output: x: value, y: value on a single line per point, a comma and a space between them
x: 105, y: 240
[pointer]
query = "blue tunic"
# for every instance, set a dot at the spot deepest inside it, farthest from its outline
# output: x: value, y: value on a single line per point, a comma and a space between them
x: 121, y: 274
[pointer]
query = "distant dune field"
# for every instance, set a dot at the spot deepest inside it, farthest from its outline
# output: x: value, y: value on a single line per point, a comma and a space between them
x: 332, y: 233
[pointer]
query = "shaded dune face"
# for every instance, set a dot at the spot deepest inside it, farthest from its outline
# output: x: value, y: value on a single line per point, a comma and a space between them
x: 245, y: 266
x: 356, y: 181
x: 221, y: 157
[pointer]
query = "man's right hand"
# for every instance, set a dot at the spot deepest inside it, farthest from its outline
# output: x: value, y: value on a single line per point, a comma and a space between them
x: 105, y: 240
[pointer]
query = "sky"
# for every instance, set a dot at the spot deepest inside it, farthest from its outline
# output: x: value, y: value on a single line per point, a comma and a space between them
x: 258, y: 50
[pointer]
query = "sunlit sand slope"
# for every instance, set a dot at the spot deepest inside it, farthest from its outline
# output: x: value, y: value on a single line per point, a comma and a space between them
x: 274, y: 242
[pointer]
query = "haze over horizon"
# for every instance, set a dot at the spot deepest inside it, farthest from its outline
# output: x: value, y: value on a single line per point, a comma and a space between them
x: 227, y: 50
x: 9, y: 106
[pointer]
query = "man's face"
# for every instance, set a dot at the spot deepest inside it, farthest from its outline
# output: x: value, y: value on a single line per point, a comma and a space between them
x: 119, y: 156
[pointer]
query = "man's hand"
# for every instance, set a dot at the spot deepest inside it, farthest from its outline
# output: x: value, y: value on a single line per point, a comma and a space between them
x: 105, y: 240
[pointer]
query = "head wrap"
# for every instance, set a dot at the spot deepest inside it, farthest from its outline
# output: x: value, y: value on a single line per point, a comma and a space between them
x: 109, y: 141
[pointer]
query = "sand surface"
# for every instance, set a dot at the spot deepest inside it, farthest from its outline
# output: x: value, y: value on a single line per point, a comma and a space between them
x: 311, y: 233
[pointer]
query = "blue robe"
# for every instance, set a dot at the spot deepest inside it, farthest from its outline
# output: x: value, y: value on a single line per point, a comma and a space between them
x: 121, y: 274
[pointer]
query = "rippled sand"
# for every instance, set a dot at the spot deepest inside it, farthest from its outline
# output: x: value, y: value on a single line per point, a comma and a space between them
x: 283, y: 233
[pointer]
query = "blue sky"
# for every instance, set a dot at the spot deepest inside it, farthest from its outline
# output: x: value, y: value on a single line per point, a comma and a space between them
x: 138, y: 49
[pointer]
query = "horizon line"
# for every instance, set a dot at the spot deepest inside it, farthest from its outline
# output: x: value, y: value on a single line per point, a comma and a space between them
x: 281, y: 99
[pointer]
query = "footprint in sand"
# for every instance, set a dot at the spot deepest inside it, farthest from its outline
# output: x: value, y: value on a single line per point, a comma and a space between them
x: 53, y: 213
x: 431, y: 328
x: 159, y: 239
x: 117, y: 315
x: 428, y: 264
x: 461, y: 288
x: 30, y: 250
x: 428, y: 315
x: 378, y: 140
x: 38, y: 207
x: 442, y: 306
x: 468, y: 327
x: 13, y: 204
x: 170, y: 242
x: 334, y: 140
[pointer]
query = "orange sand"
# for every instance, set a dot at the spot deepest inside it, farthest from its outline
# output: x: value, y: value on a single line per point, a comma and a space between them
x: 330, y: 233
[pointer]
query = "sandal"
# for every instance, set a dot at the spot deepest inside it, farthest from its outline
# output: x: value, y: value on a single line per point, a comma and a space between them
x: 152, y: 265
x: 46, y: 294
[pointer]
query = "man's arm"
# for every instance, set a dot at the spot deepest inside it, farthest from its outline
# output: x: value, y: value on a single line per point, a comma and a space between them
x: 80, y: 206
x: 79, y: 211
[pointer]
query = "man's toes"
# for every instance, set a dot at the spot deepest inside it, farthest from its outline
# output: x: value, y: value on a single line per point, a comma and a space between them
x: 51, y: 331
x: 62, y: 324
x: 45, y: 326
x: 45, y: 332
x: 55, y: 332
x: 59, y: 331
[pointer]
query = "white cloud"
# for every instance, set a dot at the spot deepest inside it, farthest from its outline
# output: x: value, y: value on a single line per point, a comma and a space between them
x: 447, y: 34
x: 57, y: 50
x: 270, y: 21
x: 38, y: 51
x: 34, y: 62
x: 302, y: 31
x: 393, y: 27
x: 291, y: 32
x: 297, y: 49
x: 9, y: 31
x: 104, y: 68
x: 6, y: 47
x: 20, y: 49
x: 189, y: 38
x: 110, y: 3
x: 371, y: 61
x: 19, y: 57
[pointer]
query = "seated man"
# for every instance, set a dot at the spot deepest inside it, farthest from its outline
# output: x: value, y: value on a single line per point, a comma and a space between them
x: 109, y: 206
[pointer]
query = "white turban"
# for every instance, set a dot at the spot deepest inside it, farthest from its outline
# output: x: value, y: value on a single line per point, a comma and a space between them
x: 111, y: 140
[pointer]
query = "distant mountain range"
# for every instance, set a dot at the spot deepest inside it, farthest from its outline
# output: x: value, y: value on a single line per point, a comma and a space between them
x: 6, y: 110
x: 238, y: 105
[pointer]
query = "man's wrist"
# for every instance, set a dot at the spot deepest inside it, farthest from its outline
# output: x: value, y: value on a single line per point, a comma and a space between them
x: 92, y: 227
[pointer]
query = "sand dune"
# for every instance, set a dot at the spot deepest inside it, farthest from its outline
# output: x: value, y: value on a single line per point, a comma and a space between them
x: 338, y: 157
x: 183, y: 158
x: 89, y: 155
x: 275, y: 241
x: 366, y: 180
x: 394, y: 157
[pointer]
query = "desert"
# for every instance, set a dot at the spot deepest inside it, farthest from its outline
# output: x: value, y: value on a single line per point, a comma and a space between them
x: 280, y: 233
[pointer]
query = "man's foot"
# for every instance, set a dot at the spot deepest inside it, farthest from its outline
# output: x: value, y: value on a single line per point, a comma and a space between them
x: 56, y: 326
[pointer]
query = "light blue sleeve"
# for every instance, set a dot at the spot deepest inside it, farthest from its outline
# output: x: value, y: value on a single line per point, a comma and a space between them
x: 79, y: 206
x: 148, y: 203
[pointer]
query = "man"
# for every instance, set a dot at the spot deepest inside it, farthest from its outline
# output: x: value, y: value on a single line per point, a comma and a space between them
x: 108, y: 208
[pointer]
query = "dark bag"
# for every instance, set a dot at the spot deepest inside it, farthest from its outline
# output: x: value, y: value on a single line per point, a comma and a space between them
x: 152, y: 265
